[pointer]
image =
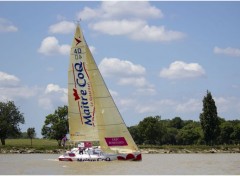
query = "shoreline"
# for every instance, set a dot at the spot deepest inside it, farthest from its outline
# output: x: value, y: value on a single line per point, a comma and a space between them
x: 15, y: 150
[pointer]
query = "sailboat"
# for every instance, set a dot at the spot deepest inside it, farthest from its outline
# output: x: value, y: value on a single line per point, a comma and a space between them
x: 92, y: 113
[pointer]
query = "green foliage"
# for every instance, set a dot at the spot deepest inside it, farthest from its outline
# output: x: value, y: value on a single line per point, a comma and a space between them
x: 235, y: 136
x: 176, y: 122
x: 39, y: 144
x: 151, y: 130
x: 10, y: 117
x: 136, y: 135
x: 209, y: 120
x: 56, y: 125
x: 189, y: 134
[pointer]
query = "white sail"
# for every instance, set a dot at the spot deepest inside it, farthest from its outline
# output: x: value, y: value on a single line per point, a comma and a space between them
x: 81, y: 106
x: 93, y: 115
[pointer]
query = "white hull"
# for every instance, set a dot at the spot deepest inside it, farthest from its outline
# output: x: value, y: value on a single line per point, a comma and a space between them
x: 97, y: 155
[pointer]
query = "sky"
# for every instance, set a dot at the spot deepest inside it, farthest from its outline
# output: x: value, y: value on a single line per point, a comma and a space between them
x: 157, y: 58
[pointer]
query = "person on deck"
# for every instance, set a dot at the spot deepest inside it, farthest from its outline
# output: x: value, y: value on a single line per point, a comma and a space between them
x: 81, y: 150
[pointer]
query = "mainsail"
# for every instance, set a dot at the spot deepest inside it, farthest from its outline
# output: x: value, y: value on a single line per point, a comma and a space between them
x: 93, y: 115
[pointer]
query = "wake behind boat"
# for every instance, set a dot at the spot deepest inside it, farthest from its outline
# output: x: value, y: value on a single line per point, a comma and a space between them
x: 92, y: 112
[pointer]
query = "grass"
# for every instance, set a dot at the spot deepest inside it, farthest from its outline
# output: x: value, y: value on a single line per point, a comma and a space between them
x: 46, y: 144
x: 39, y: 144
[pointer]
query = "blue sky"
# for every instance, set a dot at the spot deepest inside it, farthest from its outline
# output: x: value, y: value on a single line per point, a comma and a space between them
x: 157, y: 58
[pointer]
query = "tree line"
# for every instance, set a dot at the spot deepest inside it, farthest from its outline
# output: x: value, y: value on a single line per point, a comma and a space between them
x: 153, y: 130
x: 209, y: 130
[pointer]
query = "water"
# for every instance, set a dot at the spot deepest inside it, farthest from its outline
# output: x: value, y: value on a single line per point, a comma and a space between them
x: 152, y: 164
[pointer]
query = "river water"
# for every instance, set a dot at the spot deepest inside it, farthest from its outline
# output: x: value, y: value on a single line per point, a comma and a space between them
x: 152, y: 164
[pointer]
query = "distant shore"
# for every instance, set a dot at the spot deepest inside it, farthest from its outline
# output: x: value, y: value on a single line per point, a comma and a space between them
x: 15, y: 150
x: 45, y: 146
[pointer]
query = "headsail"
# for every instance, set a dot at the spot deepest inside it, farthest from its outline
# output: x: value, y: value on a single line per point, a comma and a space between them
x: 93, y: 115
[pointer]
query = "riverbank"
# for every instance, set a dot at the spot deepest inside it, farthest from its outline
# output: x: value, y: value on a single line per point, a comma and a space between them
x: 45, y: 146
x: 144, y: 151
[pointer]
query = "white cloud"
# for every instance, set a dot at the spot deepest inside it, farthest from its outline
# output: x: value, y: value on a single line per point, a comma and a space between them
x: 137, y: 30
x: 153, y: 106
x: 156, y: 33
x: 227, y: 51
x: 54, y: 88
x: 88, y: 13
x: 115, y: 9
x: 127, y: 73
x: 113, y: 93
x: 7, y: 26
x: 63, y: 27
x: 20, y: 92
x: 92, y: 49
x: 181, y: 70
x: 118, y: 27
x: 135, y: 81
x: 120, y: 18
x: 8, y: 80
x: 117, y: 67
x: 148, y: 90
x: 50, y: 46
x: 195, y: 104
x: 53, y: 96
x: 11, y: 88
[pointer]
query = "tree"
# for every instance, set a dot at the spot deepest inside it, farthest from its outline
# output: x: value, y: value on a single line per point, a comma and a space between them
x: 10, y: 117
x: 31, y: 133
x: 56, y: 125
x: 176, y: 122
x: 209, y: 120
x: 236, y: 133
x: 135, y: 133
x: 189, y: 134
x: 169, y: 137
x: 151, y: 130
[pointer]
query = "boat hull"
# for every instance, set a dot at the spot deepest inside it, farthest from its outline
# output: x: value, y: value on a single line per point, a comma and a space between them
x: 100, y: 156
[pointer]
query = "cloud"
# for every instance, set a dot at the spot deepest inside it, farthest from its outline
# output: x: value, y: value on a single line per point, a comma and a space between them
x: 195, y: 104
x: 63, y: 27
x: 120, y: 18
x: 118, y: 27
x: 156, y: 33
x: 11, y: 88
x: 113, y: 93
x: 182, y: 70
x: 126, y: 73
x: 53, y: 96
x: 152, y: 106
x: 137, y: 30
x: 148, y: 90
x: 92, y: 49
x: 117, y: 10
x: 8, y: 80
x: 7, y: 26
x: 227, y: 51
x: 117, y: 67
x: 135, y: 81
x: 50, y: 46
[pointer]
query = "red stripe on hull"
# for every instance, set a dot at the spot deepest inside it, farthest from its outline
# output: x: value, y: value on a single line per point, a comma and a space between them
x: 138, y: 158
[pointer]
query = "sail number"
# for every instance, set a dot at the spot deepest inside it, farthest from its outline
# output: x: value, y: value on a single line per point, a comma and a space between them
x: 77, y: 52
